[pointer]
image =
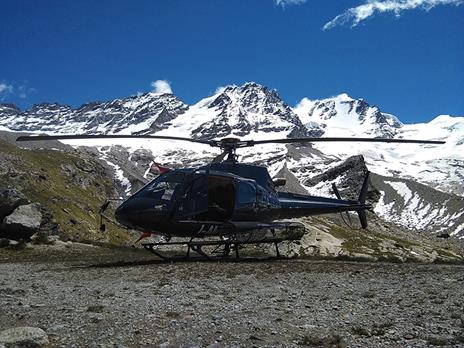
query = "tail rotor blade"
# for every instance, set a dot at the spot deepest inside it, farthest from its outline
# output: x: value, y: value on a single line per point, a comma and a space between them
x: 363, y: 193
x: 335, y: 190
x: 362, y: 200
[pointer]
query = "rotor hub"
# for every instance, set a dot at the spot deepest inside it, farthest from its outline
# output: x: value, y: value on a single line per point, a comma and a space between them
x: 229, y: 146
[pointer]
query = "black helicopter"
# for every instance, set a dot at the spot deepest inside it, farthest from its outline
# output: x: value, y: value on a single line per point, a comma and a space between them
x: 225, y: 204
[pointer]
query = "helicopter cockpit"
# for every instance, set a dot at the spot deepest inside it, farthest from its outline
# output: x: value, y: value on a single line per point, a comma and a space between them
x: 192, y: 194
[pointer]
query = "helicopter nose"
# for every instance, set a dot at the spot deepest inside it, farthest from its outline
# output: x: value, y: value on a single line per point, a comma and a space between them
x: 126, y: 214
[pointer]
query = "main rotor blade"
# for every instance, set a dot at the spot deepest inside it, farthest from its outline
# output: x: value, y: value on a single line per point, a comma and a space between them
x: 116, y: 136
x: 350, y: 139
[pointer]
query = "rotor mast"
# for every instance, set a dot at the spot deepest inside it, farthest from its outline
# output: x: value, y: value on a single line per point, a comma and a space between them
x: 229, y: 148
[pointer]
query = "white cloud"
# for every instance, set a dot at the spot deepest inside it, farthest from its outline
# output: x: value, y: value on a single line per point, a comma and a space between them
x: 356, y: 15
x: 4, y: 88
x: 284, y: 3
x: 161, y: 87
x: 10, y: 91
x: 24, y: 90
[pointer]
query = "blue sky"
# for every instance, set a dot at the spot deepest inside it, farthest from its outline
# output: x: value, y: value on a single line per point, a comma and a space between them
x: 409, y: 63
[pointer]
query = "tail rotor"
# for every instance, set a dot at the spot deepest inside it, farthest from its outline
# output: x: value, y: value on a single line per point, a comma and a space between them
x: 362, y: 200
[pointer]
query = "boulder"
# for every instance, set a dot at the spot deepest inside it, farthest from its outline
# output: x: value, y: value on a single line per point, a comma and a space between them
x: 43, y: 238
x: 10, y: 199
x: 24, y: 337
x: 22, y: 223
x: 4, y: 242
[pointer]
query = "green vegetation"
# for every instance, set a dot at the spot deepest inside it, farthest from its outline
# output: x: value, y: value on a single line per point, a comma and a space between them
x: 69, y: 186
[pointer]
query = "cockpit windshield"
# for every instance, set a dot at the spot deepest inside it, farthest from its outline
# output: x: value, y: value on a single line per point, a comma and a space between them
x: 165, y: 190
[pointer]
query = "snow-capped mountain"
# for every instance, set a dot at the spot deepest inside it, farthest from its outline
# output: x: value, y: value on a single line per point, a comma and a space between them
x: 239, y: 111
x: 130, y: 115
x: 441, y: 167
x: 253, y: 111
x: 342, y: 113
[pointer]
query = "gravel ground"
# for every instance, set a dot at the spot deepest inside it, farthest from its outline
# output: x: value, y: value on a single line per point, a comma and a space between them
x: 287, y: 303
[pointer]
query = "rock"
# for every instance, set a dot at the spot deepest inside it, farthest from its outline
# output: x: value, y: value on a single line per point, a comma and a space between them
x: 22, y: 223
x: 49, y: 226
x: 4, y: 242
x: 314, y: 243
x: 42, y: 238
x: 17, y: 245
x: 10, y: 199
x: 95, y: 308
x: 24, y: 337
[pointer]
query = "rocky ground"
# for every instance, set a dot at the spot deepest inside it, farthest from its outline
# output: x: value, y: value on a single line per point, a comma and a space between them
x: 121, y: 297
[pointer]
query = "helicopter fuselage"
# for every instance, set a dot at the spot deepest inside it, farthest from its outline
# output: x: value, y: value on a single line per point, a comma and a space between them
x: 219, y: 200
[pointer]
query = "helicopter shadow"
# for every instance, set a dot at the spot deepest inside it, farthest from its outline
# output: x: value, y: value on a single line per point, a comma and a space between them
x: 118, y: 264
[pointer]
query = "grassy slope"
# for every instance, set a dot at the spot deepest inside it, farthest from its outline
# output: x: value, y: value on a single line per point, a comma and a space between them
x: 384, y: 241
x: 39, y: 175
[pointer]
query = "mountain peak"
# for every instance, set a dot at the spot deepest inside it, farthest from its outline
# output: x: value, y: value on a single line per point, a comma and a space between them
x: 246, y: 87
x: 344, y: 97
x: 8, y: 106
x: 157, y: 94
x: 344, y: 116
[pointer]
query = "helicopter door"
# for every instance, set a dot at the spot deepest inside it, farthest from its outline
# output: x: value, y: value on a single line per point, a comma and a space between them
x: 195, y: 199
x: 221, y: 198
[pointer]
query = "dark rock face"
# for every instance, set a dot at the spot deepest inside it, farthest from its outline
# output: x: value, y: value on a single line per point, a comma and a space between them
x: 354, y: 163
x: 352, y: 172
x: 10, y: 199
x: 22, y: 223
x: 292, y: 184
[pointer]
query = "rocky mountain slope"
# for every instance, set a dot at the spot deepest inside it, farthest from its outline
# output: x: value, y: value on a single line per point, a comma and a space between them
x: 66, y: 189
x: 253, y: 111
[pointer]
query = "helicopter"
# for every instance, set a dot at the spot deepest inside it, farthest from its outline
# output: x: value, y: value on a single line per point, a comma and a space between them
x: 225, y: 204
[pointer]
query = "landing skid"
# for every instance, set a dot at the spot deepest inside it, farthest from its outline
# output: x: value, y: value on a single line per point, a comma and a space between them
x: 221, y: 248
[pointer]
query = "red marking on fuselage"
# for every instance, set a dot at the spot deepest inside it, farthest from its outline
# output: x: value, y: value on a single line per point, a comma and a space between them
x: 161, y: 169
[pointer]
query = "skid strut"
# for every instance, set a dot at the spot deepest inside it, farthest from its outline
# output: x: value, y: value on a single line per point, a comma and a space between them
x: 197, y: 247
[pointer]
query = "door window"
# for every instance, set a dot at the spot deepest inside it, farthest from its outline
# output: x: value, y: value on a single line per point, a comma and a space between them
x: 246, y: 193
x: 195, y: 198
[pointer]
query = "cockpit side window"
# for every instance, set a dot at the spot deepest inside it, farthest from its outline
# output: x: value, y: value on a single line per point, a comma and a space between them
x: 246, y: 193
